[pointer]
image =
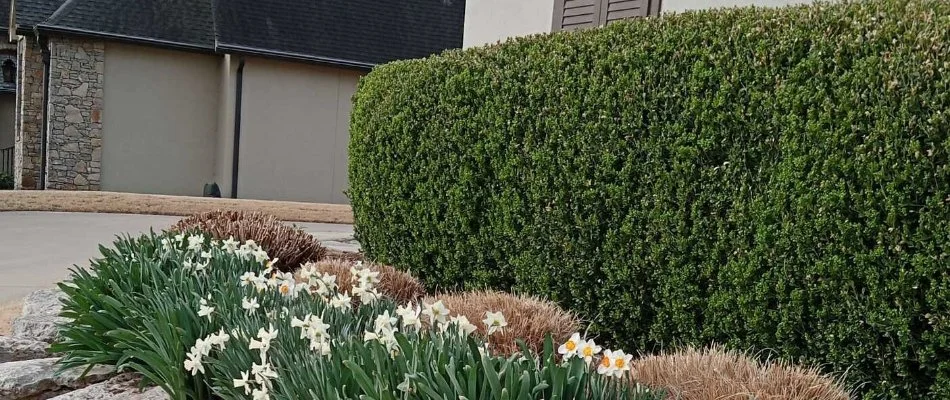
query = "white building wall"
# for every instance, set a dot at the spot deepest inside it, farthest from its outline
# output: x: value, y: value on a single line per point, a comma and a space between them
x: 489, y: 21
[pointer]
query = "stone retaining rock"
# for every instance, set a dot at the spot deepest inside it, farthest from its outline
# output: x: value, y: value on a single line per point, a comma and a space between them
x: 122, y: 387
x: 35, y: 379
x: 18, y: 349
x: 40, y: 316
x: 40, y: 328
x: 45, y: 302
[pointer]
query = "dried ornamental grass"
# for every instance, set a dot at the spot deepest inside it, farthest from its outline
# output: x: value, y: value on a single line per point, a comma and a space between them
x: 529, y: 318
x: 716, y: 374
x: 291, y: 246
x: 395, y: 284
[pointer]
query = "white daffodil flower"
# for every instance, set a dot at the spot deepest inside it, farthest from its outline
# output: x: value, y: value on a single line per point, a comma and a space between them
x: 406, y: 385
x: 243, y: 383
x: 250, y: 305
x: 464, y: 326
x: 194, y: 366
x: 307, y: 271
x: 230, y: 245
x: 288, y: 288
x: 180, y: 238
x: 195, y: 242
x: 248, y: 278
x: 320, y: 346
x: 261, y: 256
x: 341, y: 301
x: 204, y: 310
x: 259, y: 345
x: 606, y: 366
x: 367, y: 295
x: 385, y: 322
x: 219, y: 339
x: 260, y: 394
x: 202, y: 347
x: 329, y: 281
x: 588, y: 349
x: 167, y: 245
x: 410, y: 316
x: 318, y: 326
x: 268, y: 335
x: 437, y: 312
x: 263, y: 373
x: 621, y: 363
x: 495, y: 322
x: 569, y: 348
x: 261, y: 283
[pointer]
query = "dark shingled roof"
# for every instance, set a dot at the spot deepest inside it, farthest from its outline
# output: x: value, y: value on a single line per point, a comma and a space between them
x: 358, y: 33
x: 31, y: 12
x: 366, y: 31
x: 185, y: 22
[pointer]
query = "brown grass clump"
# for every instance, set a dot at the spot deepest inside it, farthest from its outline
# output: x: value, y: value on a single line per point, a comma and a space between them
x: 529, y: 318
x: 395, y: 284
x: 719, y: 374
x: 291, y: 246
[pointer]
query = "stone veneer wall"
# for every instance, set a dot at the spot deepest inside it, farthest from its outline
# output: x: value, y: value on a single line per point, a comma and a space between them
x: 29, y: 120
x: 75, y: 112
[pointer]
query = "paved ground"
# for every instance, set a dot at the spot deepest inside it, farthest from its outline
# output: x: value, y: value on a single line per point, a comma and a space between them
x: 38, y: 248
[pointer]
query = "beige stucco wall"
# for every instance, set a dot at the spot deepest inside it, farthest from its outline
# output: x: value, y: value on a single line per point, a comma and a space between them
x: 683, y: 5
x: 7, y: 117
x: 294, y: 131
x: 489, y: 21
x: 160, y: 120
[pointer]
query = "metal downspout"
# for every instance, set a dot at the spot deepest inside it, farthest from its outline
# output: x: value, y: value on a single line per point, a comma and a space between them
x: 236, y: 156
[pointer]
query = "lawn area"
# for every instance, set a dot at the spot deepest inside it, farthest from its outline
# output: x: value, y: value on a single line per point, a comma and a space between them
x: 131, y: 203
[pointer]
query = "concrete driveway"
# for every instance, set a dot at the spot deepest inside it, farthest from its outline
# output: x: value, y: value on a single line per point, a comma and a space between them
x: 38, y: 248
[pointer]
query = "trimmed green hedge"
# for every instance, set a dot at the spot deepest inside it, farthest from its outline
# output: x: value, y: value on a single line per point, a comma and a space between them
x: 765, y: 178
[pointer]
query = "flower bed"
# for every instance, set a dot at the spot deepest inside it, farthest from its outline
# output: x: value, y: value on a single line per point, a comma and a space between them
x: 212, y: 319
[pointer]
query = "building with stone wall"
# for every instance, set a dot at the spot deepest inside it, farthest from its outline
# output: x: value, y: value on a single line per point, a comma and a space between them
x: 162, y: 96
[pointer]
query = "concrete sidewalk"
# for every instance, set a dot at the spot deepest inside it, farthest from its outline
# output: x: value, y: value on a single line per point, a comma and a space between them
x: 38, y: 248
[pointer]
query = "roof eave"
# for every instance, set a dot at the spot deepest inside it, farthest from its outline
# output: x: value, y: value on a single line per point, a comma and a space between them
x: 265, y: 53
x: 125, y: 38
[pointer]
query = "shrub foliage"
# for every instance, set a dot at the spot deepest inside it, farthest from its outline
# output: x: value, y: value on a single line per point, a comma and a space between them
x: 767, y: 178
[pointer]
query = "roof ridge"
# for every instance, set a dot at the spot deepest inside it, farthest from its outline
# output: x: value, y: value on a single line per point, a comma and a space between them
x: 67, y: 6
x: 214, y: 22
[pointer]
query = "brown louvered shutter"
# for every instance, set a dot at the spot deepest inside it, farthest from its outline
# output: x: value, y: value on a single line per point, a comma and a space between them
x: 615, y: 10
x: 576, y: 14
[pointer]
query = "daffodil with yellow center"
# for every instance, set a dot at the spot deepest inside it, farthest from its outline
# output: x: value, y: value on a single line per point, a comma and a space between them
x: 588, y: 349
x: 621, y: 363
x: 606, y: 366
x: 569, y: 348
